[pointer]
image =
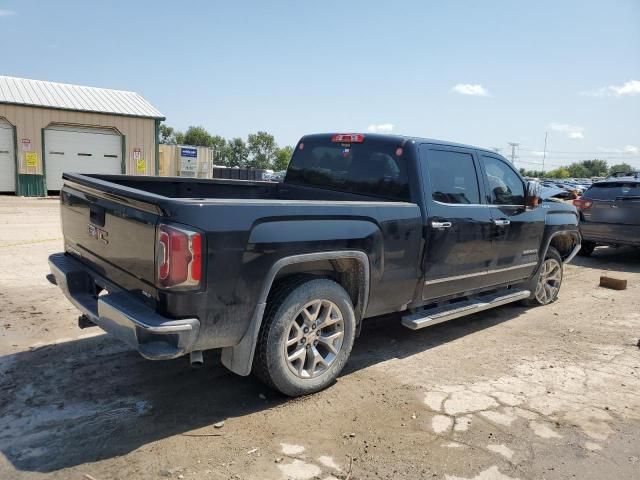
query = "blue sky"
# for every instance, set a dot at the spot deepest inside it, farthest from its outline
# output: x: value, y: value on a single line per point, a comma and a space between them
x: 484, y: 73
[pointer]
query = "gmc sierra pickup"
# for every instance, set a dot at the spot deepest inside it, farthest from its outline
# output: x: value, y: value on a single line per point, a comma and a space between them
x: 280, y: 276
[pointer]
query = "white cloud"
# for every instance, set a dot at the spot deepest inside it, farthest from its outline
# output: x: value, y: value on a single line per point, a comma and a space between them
x: 632, y: 87
x: 631, y: 149
x: 537, y: 154
x: 381, y: 128
x: 572, y: 131
x: 474, y: 89
x: 6, y: 13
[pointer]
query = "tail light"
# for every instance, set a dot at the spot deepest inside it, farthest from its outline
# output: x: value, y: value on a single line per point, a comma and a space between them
x: 582, y: 203
x: 178, y: 257
x: 348, y: 138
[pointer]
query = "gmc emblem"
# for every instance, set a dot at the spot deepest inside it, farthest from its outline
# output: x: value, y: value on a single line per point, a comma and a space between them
x: 97, y: 233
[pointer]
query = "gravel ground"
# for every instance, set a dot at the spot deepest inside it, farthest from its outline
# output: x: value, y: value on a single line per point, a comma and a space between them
x: 543, y: 393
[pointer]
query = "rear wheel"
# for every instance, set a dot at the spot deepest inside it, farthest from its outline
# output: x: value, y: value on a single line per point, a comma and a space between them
x: 545, y: 286
x: 306, y: 337
x: 586, y: 249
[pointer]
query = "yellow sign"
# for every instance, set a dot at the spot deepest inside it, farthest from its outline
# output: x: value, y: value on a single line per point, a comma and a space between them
x: 141, y: 165
x: 31, y: 159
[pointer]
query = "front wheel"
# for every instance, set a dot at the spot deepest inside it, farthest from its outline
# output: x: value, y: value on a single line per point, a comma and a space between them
x: 545, y: 285
x: 306, y: 337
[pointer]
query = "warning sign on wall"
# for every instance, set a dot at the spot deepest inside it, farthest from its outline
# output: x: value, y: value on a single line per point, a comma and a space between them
x: 26, y: 144
x: 137, y: 153
x: 141, y: 165
x: 31, y: 159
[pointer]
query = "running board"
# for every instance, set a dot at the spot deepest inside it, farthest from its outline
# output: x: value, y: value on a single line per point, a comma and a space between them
x: 435, y: 315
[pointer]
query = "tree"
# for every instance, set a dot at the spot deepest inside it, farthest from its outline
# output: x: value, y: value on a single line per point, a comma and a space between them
x: 283, y: 156
x: 167, y: 134
x: 218, y: 144
x: 197, y: 136
x: 236, y: 153
x: 578, y: 170
x: 559, y: 173
x: 596, y: 168
x: 179, y: 136
x: 621, y: 167
x: 262, y: 150
x: 532, y: 173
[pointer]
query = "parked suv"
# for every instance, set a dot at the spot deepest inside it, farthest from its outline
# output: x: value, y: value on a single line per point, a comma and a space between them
x: 610, y: 213
x: 281, y: 276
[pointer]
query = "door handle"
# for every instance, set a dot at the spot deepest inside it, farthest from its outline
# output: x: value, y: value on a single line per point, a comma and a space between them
x: 441, y: 224
x: 503, y: 222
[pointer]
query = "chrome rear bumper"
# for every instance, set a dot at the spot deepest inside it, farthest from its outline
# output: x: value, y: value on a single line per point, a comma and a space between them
x: 120, y: 314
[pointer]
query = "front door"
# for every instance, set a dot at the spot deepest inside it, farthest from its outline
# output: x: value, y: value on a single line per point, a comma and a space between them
x: 459, y: 226
x: 517, y: 231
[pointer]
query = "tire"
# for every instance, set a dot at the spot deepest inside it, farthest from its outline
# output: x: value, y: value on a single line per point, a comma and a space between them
x: 545, y: 285
x: 298, y: 362
x: 586, y: 249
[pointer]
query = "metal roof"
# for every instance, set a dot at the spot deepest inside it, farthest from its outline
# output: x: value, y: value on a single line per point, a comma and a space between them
x: 38, y: 93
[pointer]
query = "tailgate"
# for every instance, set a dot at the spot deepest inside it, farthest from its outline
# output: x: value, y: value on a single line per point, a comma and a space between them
x: 112, y: 234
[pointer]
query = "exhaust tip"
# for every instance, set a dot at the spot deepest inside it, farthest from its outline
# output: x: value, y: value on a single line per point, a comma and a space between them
x: 196, y: 359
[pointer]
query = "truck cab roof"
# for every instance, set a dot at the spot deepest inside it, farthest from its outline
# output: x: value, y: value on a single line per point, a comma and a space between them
x: 401, y: 139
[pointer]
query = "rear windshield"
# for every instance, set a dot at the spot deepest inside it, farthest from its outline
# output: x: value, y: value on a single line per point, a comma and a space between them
x: 613, y: 190
x: 373, y: 168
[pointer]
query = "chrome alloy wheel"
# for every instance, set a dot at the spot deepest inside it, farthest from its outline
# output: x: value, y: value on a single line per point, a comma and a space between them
x: 549, y: 281
x: 315, y: 338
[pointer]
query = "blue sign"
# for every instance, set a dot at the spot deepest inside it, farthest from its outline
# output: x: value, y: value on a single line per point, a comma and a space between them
x: 189, y: 152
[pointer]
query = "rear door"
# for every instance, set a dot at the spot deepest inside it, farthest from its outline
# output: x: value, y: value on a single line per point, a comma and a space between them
x: 517, y: 231
x: 459, y: 225
x: 614, y: 215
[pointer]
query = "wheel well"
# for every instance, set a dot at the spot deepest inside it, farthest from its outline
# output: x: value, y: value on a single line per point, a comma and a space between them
x: 564, y: 243
x: 347, y: 272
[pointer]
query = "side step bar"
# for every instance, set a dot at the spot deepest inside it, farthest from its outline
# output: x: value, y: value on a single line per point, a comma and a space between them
x: 435, y: 315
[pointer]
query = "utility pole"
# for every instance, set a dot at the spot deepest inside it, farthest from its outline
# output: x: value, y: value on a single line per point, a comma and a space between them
x: 513, y: 151
x: 544, y: 154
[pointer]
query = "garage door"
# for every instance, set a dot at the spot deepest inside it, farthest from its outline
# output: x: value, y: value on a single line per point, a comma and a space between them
x: 7, y: 158
x: 80, y: 150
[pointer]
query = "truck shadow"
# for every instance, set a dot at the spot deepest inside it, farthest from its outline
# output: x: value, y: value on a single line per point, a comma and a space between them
x: 91, y: 399
x: 623, y: 259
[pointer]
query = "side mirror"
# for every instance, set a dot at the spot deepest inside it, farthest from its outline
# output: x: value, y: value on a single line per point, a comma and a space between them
x: 532, y: 195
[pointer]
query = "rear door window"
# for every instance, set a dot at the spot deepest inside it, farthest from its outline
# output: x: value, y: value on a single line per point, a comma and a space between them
x: 372, y: 168
x: 453, y: 177
x: 611, y: 191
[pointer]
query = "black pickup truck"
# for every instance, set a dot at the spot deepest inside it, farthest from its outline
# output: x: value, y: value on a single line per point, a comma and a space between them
x: 280, y: 276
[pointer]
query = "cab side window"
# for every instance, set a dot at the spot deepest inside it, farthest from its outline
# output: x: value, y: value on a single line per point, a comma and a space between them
x: 504, y: 185
x: 452, y: 176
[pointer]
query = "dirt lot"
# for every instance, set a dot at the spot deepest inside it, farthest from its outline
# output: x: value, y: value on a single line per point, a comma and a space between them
x: 547, y: 393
